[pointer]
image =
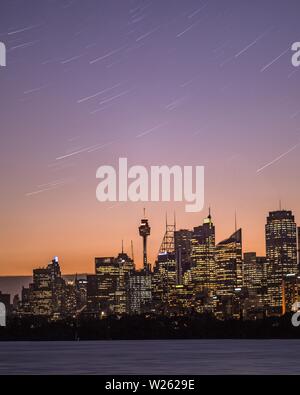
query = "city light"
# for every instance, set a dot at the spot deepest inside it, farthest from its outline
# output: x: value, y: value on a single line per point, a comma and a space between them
x: 192, y: 273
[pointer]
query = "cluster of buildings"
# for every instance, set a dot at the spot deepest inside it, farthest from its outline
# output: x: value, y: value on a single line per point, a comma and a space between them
x: 51, y: 295
x: 192, y: 274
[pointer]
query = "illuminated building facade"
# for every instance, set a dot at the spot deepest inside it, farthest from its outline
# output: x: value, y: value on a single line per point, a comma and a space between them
x: 191, y: 275
x: 281, y: 248
x: 102, y: 286
x: 49, y: 294
x: 183, y: 249
x: 290, y: 293
x: 203, y: 246
x: 126, y: 268
x: 167, y: 272
x: 255, y: 269
x: 228, y: 256
x: 250, y: 271
x: 107, y: 289
x: 139, y: 292
x: 41, y: 293
x: 255, y: 274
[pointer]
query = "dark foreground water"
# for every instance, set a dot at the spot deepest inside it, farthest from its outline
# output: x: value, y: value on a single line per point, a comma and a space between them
x: 152, y: 357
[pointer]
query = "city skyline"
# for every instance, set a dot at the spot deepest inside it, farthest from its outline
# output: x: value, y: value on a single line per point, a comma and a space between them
x: 171, y: 222
x: 174, y: 83
x: 193, y: 274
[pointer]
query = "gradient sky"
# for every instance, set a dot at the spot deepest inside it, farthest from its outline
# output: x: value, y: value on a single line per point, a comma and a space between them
x: 212, y: 82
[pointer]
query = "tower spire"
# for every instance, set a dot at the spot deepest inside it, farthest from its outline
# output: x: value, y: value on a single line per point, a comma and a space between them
x: 168, y: 243
x: 235, y: 221
x: 132, y: 254
x: 144, y: 231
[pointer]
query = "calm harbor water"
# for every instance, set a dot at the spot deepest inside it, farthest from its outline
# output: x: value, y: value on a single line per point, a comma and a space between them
x: 152, y: 357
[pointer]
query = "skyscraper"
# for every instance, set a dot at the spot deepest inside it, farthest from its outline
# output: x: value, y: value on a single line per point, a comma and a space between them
x: 139, y: 292
x: 107, y: 271
x: 281, y: 248
x: 255, y: 281
x: 203, y: 255
x: 298, y: 249
x: 126, y: 268
x: 165, y: 271
x: 229, y: 264
x: 43, y: 294
x: 183, y: 250
x: 49, y: 294
x: 250, y: 271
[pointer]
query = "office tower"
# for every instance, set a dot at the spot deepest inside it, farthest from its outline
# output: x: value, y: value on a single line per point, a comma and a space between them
x: 107, y: 290
x: 42, y: 278
x: 229, y: 264
x: 164, y: 275
x: 144, y: 231
x: 255, y: 282
x: 281, y: 248
x: 54, y: 269
x: 69, y: 301
x: 41, y: 293
x: 126, y: 267
x: 255, y: 272
x: 166, y: 260
x: 298, y: 249
x: 58, y: 286
x: 107, y: 272
x: 250, y: 271
x: 48, y: 294
x: 44, y: 296
x: 81, y: 292
x: 290, y: 293
x: 262, y: 281
x: 93, y: 297
x: 203, y: 255
x: 139, y: 292
x: 166, y: 272
x: 182, y: 300
x: 183, y: 249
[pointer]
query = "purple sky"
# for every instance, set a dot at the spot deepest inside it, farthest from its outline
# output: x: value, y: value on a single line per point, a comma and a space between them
x: 211, y: 82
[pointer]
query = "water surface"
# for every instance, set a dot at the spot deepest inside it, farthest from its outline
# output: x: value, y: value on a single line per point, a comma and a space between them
x: 152, y: 357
